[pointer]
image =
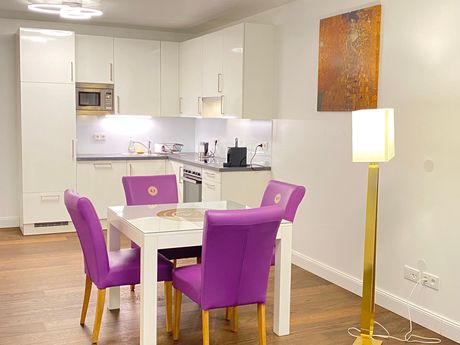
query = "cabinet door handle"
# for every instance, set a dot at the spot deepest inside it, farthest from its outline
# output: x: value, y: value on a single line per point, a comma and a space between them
x: 199, y: 108
x: 50, y: 197
x: 103, y: 165
x: 180, y: 105
x: 210, y: 174
x: 219, y: 82
x: 118, y: 104
x: 181, y: 171
x: 71, y: 70
x: 222, y: 104
x: 211, y: 186
x: 130, y: 170
x: 111, y: 71
x: 74, y: 149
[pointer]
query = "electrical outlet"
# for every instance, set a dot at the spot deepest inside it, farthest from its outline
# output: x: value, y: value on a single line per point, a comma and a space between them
x: 411, y: 274
x: 264, y: 145
x: 430, y: 280
x: 99, y: 136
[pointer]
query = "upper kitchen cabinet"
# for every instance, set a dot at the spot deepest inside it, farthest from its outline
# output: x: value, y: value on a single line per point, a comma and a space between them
x: 212, y: 63
x: 47, y: 56
x: 169, y: 78
x: 94, y: 59
x: 137, y: 76
x: 191, y: 76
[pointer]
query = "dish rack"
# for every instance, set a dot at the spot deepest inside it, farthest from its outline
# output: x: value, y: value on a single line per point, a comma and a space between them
x: 168, y: 147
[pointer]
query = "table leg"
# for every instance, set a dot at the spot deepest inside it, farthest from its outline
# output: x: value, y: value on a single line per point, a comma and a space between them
x: 282, y: 305
x: 149, y: 263
x: 113, y: 243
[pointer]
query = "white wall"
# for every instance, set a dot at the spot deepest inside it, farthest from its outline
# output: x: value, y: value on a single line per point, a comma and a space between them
x: 249, y: 133
x: 419, y: 218
x: 9, y: 201
x: 119, y: 131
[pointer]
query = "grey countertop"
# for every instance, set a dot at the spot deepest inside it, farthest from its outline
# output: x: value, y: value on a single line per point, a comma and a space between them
x: 186, y: 158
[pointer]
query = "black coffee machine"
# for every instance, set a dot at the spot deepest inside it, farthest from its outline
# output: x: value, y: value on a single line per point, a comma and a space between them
x: 236, y: 156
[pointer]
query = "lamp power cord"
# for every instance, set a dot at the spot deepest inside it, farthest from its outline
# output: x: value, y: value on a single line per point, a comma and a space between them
x: 409, y: 337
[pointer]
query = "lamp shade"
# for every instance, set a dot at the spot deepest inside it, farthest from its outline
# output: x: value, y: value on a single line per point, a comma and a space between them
x: 373, y: 135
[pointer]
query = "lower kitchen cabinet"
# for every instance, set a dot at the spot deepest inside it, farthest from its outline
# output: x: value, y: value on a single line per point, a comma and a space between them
x: 146, y: 167
x: 176, y: 168
x: 100, y: 181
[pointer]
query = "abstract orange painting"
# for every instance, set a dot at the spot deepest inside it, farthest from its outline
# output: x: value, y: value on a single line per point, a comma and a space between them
x: 349, y: 49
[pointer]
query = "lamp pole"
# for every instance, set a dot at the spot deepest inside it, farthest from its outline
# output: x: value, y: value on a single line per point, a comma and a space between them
x: 370, y: 241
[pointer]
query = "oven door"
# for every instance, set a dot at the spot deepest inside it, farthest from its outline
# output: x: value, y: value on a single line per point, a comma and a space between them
x: 192, y: 189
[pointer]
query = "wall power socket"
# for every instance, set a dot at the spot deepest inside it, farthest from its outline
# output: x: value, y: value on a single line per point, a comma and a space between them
x: 426, y: 279
x: 411, y: 274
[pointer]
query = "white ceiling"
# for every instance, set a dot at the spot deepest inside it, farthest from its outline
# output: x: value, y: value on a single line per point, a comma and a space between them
x: 177, y: 15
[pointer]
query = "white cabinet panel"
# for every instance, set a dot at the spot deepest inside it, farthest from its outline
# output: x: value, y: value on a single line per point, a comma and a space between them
x: 169, y: 78
x: 190, y: 72
x: 137, y: 76
x: 44, y: 207
x: 176, y: 168
x: 47, y: 133
x: 100, y: 181
x: 211, y: 191
x: 146, y: 168
x: 94, y: 59
x: 232, y: 80
x: 212, y: 64
x: 47, y: 55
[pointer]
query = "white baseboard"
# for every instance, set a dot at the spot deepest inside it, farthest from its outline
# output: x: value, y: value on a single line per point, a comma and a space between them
x: 9, y: 222
x: 425, y: 317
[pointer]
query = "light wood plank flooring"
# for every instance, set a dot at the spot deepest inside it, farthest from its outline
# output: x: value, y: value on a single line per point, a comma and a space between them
x: 41, y: 291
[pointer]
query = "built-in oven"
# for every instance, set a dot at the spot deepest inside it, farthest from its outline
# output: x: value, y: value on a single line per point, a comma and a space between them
x: 191, y: 177
x: 94, y: 99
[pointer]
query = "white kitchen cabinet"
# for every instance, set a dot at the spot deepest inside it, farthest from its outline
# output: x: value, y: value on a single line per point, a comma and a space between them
x: 190, y: 76
x: 176, y: 168
x: 94, y: 59
x: 100, y: 181
x: 232, y: 73
x: 137, y: 76
x: 47, y: 56
x: 212, y: 64
x: 146, y: 167
x: 169, y: 78
x: 48, y: 132
x: 211, y: 191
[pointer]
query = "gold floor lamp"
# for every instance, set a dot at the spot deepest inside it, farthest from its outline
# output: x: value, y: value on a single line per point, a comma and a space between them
x: 373, y: 142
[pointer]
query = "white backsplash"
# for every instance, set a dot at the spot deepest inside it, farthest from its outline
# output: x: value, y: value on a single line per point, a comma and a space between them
x: 119, y: 131
x: 249, y: 133
x: 188, y: 131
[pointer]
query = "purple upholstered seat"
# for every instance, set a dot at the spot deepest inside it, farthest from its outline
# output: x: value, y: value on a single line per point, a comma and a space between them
x: 104, y: 269
x: 237, y: 249
x: 159, y: 189
x: 285, y: 195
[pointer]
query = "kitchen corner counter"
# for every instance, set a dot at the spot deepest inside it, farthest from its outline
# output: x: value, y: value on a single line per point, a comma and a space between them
x: 215, y: 164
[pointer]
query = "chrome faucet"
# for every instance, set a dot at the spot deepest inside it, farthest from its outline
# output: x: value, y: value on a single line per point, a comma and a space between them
x: 149, y: 147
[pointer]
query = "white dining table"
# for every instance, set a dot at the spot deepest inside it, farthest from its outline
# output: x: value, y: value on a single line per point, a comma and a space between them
x: 155, y: 227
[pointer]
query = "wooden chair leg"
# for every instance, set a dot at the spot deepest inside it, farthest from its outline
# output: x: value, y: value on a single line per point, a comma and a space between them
x: 261, y: 323
x: 235, y: 319
x: 177, y: 309
x: 174, y: 263
x: 228, y: 313
x: 168, y: 300
x: 198, y: 260
x: 205, y: 323
x: 133, y: 287
x: 98, y: 317
x: 87, y: 295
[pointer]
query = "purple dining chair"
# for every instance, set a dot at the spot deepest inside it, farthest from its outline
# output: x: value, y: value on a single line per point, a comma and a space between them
x: 159, y: 189
x: 237, y: 249
x: 286, y: 196
x: 108, y: 269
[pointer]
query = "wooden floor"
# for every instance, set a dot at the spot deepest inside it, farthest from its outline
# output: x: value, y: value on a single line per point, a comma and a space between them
x: 41, y: 289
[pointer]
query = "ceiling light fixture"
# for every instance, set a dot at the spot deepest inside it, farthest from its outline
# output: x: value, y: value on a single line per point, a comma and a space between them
x: 67, y: 10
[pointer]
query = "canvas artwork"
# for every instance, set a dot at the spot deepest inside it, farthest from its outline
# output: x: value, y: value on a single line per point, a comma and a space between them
x: 349, y: 49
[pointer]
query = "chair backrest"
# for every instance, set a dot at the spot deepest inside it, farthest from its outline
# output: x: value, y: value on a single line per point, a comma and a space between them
x: 285, y: 195
x: 147, y: 190
x: 237, y: 252
x: 89, y: 230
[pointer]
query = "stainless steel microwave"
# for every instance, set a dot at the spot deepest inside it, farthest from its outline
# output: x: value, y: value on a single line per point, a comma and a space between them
x: 94, y: 99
